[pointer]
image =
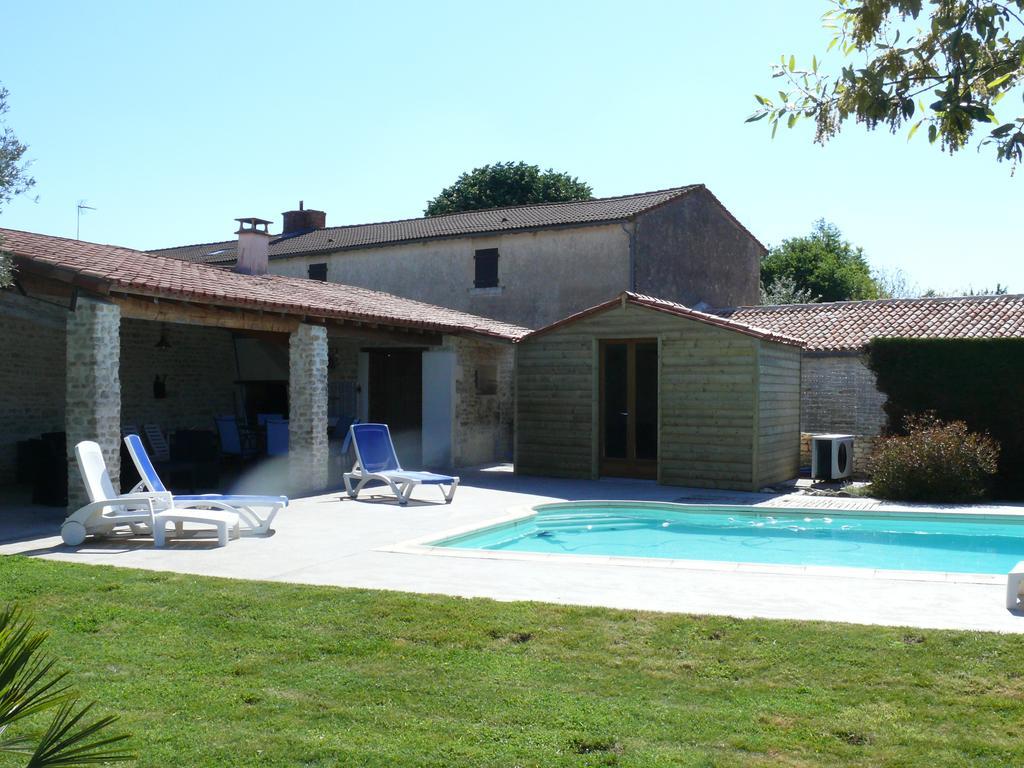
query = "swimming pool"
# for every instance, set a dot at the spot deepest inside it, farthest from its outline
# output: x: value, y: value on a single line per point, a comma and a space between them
x: 946, y: 542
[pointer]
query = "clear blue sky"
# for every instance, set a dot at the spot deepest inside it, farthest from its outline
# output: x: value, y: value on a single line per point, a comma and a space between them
x: 172, y: 119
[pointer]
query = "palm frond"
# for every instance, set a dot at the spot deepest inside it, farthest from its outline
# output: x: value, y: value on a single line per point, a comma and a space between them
x: 29, y: 685
x: 27, y: 682
x: 18, y: 746
x: 67, y: 743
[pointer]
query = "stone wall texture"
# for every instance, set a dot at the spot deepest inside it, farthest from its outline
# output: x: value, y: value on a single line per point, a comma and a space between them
x: 93, y: 386
x: 482, y: 431
x: 32, y: 385
x: 199, y: 371
x: 542, y: 276
x: 691, y: 251
x: 307, y: 395
x: 838, y: 395
x: 199, y: 368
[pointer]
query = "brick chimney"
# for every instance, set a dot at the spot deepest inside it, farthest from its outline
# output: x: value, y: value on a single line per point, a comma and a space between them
x: 302, y: 221
x: 253, y: 246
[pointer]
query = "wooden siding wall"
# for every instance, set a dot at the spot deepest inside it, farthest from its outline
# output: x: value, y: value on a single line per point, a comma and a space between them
x: 554, y: 413
x: 779, y: 413
x: 708, y: 412
x: 708, y: 391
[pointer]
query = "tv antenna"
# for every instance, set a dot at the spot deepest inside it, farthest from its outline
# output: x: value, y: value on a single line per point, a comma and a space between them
x: 81, y: 206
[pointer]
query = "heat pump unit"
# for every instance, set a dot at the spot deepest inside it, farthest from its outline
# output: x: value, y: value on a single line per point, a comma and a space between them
x: 831, y: 456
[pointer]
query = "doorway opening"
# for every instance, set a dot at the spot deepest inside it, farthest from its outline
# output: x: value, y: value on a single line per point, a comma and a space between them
x: 628, y: 411
x: 395, y: 381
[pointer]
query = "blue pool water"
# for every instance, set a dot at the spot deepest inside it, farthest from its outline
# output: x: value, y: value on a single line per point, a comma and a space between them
x: 897, y: 541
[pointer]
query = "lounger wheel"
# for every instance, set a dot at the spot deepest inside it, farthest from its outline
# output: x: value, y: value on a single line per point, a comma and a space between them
x: 73, y: 533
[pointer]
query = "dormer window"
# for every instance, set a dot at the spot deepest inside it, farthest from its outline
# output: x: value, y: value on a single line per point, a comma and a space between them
x: 486, y: 273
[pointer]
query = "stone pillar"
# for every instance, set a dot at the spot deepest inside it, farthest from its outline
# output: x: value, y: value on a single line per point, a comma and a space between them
x: 307, y: 409
x: 93, y: 399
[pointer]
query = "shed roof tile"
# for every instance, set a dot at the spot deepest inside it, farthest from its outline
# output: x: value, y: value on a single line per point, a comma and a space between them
x: 673, y: 308
x: 850, y: 325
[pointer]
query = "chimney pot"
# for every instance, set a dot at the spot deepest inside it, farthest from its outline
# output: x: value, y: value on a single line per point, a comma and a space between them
x: 253, y: 246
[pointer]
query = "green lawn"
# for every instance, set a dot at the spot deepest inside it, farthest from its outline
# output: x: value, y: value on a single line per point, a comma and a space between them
x: 232, y: 673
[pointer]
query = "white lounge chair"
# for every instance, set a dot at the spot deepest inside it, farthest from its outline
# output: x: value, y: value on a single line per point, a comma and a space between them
x: 376, y: 460
x: 246, y: 507
x: 144, y: 513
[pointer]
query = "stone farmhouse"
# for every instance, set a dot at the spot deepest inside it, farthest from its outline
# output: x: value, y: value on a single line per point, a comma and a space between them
x: 530, y: 265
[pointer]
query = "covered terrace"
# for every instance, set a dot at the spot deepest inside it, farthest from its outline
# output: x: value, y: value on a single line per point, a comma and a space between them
x: 103, y: 338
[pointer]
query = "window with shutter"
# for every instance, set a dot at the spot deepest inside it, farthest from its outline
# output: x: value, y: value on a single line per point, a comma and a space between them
x: 486, y: 268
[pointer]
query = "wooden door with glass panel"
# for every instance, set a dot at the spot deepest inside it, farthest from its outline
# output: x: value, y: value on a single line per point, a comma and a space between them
x: 628, y: 408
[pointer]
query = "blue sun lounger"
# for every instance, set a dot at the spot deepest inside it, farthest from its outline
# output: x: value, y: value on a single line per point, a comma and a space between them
x: 376, y: 460
x: 245, y: 506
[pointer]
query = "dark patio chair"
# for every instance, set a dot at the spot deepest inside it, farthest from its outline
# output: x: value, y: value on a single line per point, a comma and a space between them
x: 235, y: 442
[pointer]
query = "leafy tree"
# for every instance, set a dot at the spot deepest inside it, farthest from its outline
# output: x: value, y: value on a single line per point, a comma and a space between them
x: 946, y: 66
x: 503, y: 184
x: 29, y: 686
x: 821, y: 265
x: 14, y: 178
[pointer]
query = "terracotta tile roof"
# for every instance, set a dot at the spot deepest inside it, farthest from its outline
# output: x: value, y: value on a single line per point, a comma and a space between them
x: 849, y: 325
x: 519, y: 217
x: 672, y: 308
x: 122, y: 270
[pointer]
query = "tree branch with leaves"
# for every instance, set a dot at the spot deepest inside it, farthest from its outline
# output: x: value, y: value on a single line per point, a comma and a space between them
x: 944, y: 64
x: 14, y: 176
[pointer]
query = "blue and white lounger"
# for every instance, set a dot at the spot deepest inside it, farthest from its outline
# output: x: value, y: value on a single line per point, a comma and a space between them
x: 245, y: 506
x: 143, y: 512
x: 376, y: 460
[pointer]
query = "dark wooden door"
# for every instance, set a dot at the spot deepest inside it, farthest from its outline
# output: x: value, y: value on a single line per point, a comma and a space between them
x: 395, y: 382
x: 629, y: 408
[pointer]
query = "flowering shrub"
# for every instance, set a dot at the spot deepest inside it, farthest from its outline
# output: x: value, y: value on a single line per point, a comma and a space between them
x: 934, y: 461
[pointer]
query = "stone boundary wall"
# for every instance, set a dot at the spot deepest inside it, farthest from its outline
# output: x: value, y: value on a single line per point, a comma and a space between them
x: 838, y: 394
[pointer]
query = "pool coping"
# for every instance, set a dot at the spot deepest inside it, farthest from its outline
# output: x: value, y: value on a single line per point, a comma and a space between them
x: 425, y: 545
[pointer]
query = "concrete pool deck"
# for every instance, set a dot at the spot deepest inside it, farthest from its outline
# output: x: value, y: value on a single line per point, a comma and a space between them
x: 324, y: 540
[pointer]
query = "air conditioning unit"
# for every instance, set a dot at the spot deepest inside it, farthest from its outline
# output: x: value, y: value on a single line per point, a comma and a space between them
x: 831, y: 457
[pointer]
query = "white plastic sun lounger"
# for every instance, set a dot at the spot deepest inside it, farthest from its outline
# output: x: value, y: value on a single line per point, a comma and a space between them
x: 376, y: 460
x: 144, y: 513
x: 255, y: 512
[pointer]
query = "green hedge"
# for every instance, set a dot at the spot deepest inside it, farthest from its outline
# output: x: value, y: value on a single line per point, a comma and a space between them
x: 979, y: 381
